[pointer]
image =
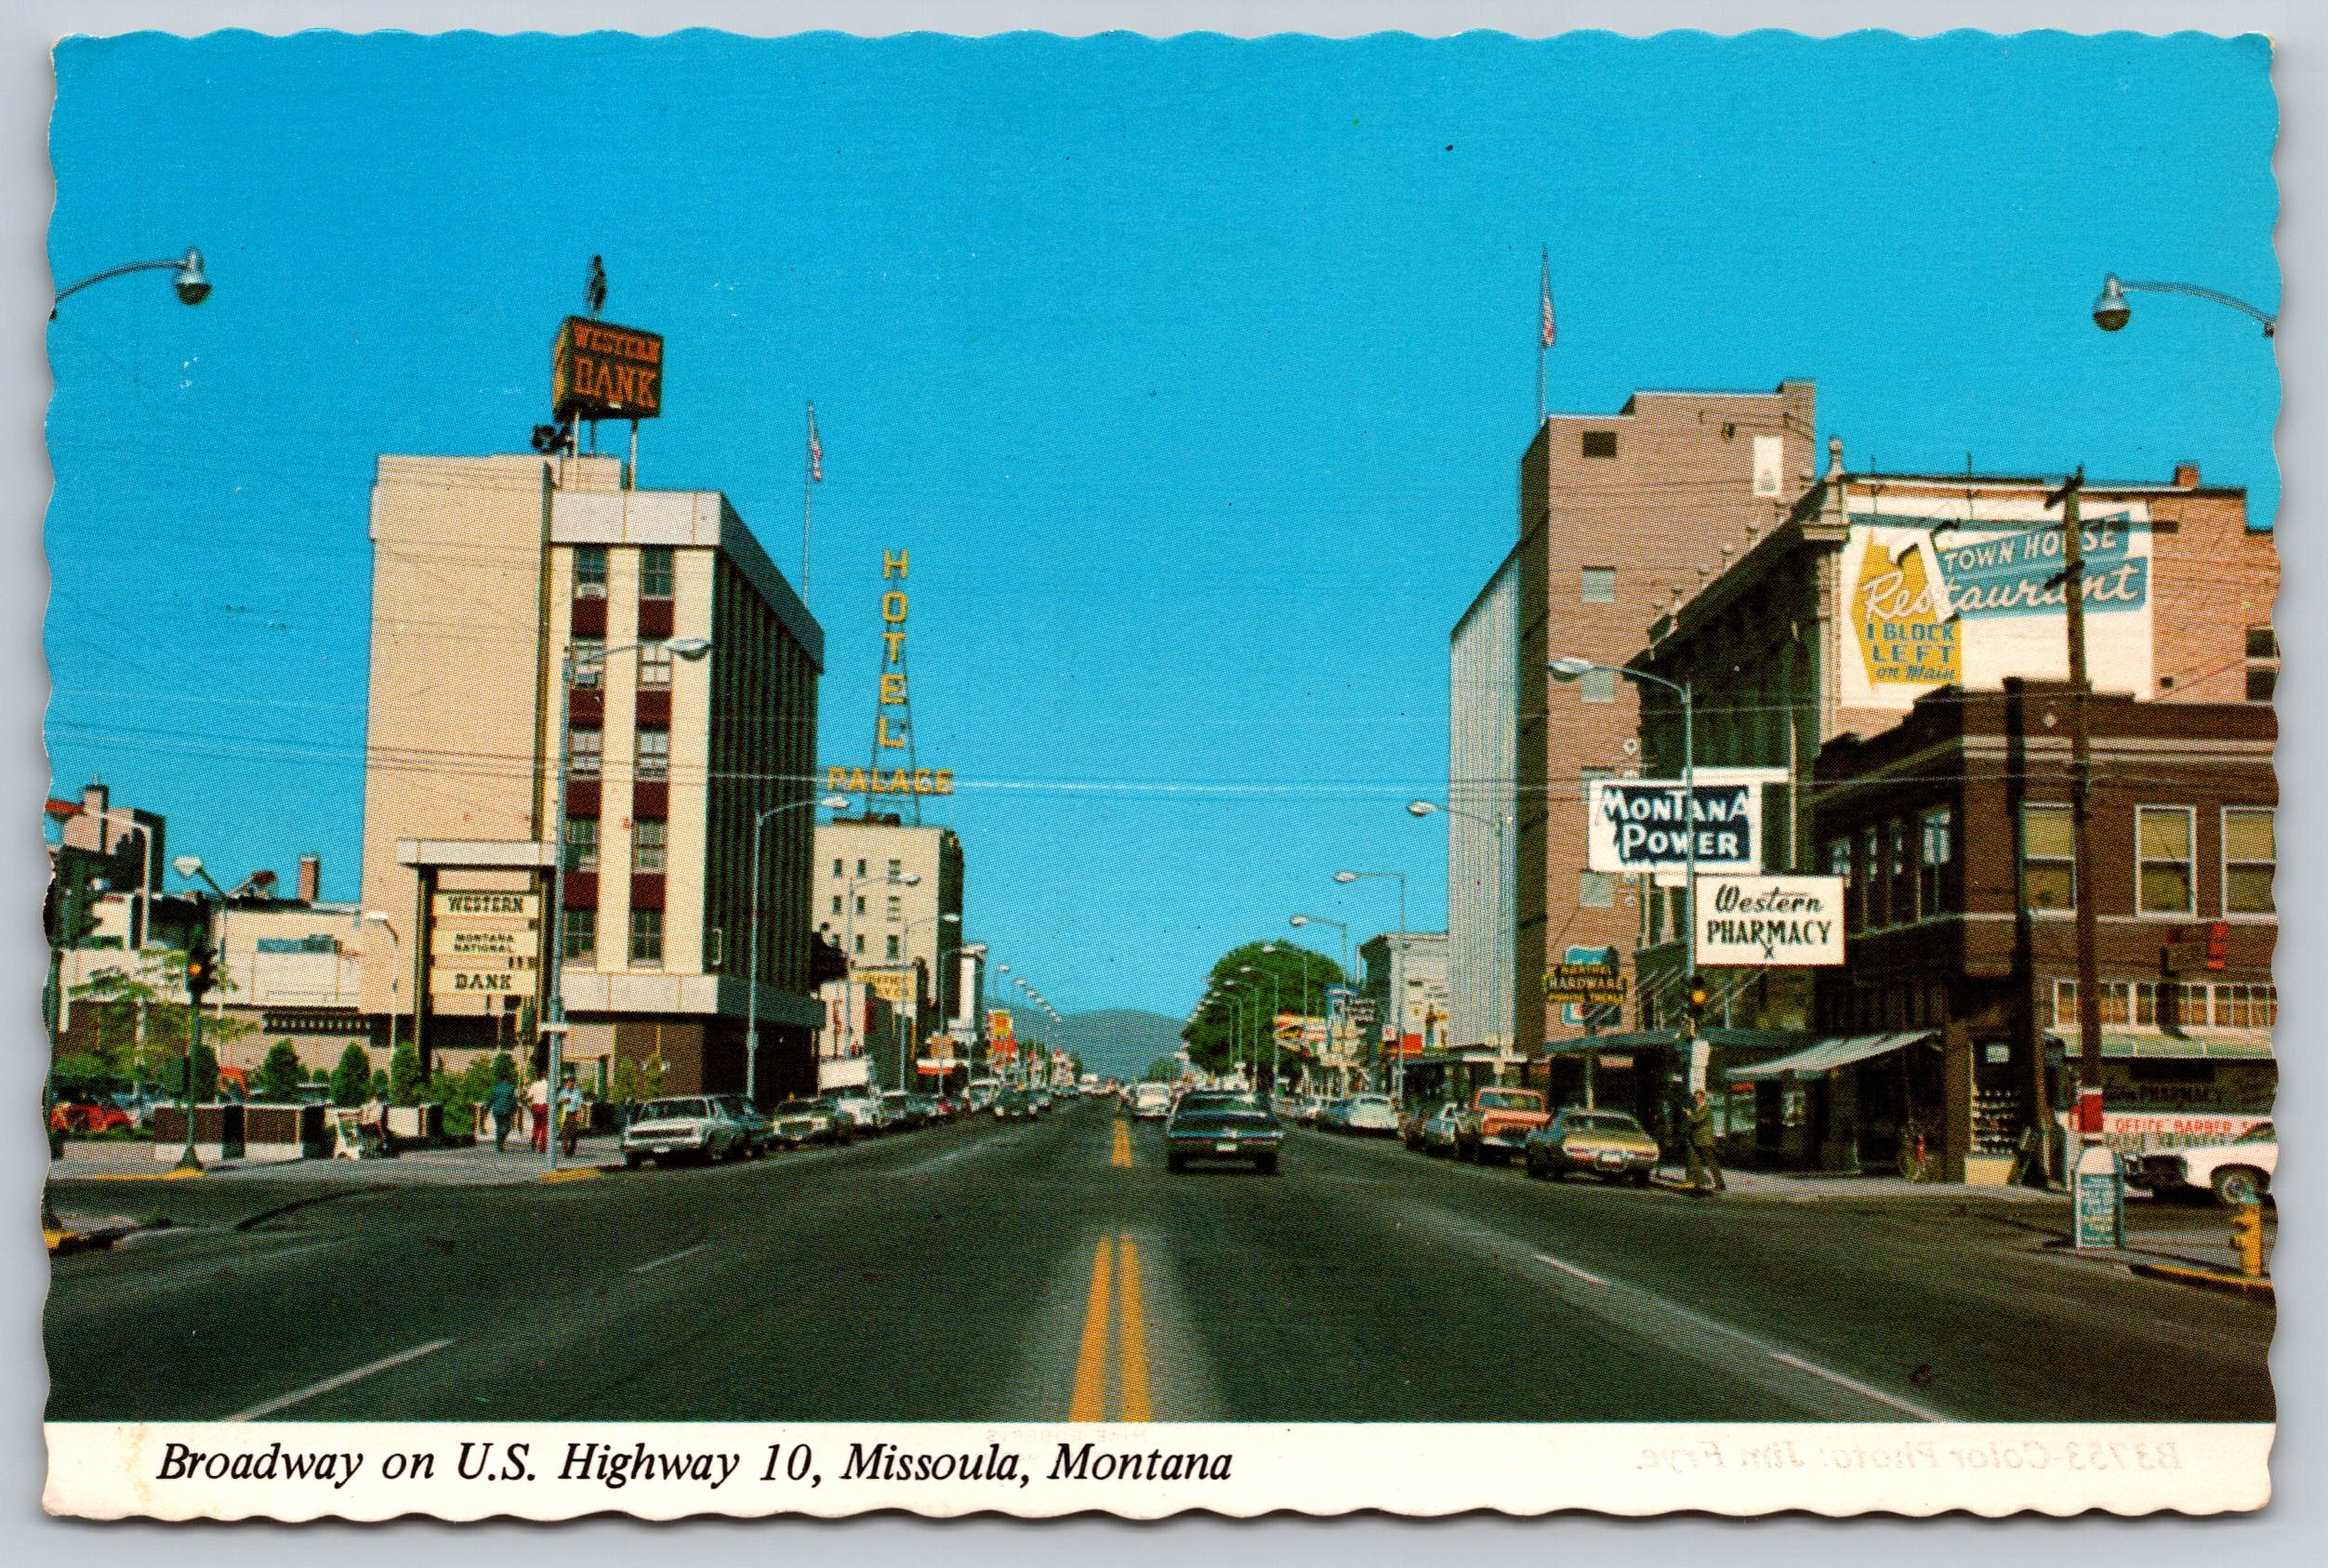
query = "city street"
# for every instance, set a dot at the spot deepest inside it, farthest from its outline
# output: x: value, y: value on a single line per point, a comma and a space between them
x: 1053, y: 1270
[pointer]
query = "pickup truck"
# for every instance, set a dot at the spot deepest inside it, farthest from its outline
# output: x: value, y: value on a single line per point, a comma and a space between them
x: 1495, y: 1125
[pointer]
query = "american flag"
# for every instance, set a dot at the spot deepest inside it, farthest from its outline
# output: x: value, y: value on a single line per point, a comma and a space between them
x: 815, y: 449
x: 1547, y: 294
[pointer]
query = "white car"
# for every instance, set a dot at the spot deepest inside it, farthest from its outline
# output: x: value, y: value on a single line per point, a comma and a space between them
x: 1151, y: 1102
x: 1372, y: 1113
x: 2237, y: 1173
x: 686, y: 1126
x: 864, y: 1110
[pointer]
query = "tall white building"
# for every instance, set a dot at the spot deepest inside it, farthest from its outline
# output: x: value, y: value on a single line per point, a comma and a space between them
x: 889, y: 894
x: 1483, y: 795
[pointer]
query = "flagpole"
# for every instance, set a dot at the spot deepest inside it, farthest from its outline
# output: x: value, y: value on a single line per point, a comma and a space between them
x: 1543, y: 334
x: 808, y: 493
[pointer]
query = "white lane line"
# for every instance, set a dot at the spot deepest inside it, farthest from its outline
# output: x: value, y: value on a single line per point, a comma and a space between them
x: 328, y: 1384
x: 1878, y: 1395
x: 1569, y: 1268
x: 672, y: 1258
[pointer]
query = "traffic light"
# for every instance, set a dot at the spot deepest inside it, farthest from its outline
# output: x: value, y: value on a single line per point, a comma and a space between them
x: 201, y: 969
x: 1698, y: 995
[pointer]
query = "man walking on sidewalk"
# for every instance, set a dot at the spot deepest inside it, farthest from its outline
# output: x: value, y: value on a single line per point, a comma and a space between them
x: 502, y: 1102
x: 1705, y: 1158
x: 569, y: 1113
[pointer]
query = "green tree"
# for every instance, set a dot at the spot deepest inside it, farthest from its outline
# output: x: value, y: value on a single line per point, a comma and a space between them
x: 352, y: 1078
x: 204, y: 1063
x: 636, y: 1079
x: 504, y: 1069
x: 82, y: 1066
x: 406, y: 1085
x: 280, y: 1074
x: 380, y: 1085
x: 135, y: 1020
x: 1163, y: 1070
x: 1233, y: 1023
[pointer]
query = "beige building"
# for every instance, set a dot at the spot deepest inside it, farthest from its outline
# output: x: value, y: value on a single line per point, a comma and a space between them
x: 1619, y: 515
x: 490, y: 575
x: 889, y: 894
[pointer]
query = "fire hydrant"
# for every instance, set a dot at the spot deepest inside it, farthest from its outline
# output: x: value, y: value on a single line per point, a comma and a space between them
x: 2247, y: 1239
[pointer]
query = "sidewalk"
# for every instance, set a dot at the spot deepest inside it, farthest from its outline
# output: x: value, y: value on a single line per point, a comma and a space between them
x: 1810, y: 1187
x: 471, y: 1165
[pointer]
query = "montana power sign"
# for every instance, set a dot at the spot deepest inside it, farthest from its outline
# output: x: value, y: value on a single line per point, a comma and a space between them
x: 1644, y: 825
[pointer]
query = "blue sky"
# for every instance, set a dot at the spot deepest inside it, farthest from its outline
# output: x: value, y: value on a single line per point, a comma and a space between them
x: 1194, y: 375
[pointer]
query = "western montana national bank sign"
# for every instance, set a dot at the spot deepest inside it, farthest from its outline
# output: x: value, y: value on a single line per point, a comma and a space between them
x: 1946, y: 601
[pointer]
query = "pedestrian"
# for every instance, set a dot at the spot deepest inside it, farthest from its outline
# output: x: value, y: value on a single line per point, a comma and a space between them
x: 502, y: 1102
x: 1705, y: 1147
x: 537, y: 1102
x: 375, y: 1123
x: 569, y: 1113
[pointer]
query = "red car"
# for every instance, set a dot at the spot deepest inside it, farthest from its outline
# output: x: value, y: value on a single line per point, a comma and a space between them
x: 88, y: 1116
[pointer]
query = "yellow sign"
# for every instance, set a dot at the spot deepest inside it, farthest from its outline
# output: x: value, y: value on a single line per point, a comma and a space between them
x: 888, y: 985
x: 886, y: 780
x: 1895, y: 606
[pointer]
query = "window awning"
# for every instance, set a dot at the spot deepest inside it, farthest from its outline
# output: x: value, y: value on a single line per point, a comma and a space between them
x: 1826, y: 1054
x: 2216, y: 1045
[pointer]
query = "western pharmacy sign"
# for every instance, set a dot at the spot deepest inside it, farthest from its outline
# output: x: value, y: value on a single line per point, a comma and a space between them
x: 1762, y: 922
x: 1645, y: 825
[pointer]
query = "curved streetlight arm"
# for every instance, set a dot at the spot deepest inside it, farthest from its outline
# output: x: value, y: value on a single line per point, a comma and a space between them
x: 172, y: 264
x: 2270, y: 322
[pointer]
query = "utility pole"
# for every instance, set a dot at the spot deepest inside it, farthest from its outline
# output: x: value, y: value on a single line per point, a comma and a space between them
x: 2089, y: 1011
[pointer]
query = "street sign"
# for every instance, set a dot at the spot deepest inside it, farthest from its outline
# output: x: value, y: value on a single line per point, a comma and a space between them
x: 2099, y: 1199
x: 1761, y: 922
x: 1361, y: 1012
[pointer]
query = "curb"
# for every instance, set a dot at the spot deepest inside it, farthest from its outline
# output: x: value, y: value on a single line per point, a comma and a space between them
x: 577, y: 1173
x: 2205, y: 1279
x: 173, y: 1173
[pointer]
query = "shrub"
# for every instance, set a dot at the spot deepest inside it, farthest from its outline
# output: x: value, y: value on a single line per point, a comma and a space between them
x: 280, y: 1074
x: 405, y: 1084
x: 354, y: 1075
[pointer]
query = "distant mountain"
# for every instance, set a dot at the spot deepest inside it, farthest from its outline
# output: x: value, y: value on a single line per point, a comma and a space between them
x: 1113, y: 1041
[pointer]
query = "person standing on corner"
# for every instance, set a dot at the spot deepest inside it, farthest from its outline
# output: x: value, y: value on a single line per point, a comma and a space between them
x: 537, y: 1102
x: 569, y: 1113
x: 1705, y: 1147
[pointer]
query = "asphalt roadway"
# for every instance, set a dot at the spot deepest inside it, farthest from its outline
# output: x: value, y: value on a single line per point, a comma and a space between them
x: 1054, y: 1271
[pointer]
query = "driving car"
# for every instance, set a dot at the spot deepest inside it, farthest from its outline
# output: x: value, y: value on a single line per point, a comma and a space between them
x: 750, y: 1119
x: 1370, y: 1115
x: 797, y: 1122
x: 1436, y: 1135
x: 1151, y: 1100
x: 2238, y: 1173
x: 1216, y: 1125
x: 684, y: 1128
x: 1610, y: 1144
x: 1014, y: 1105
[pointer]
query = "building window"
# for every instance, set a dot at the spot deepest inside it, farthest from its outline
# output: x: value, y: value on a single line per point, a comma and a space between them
x: 2048, y: 858
x: 2248, y: 858
x: 860, y: 944
x: 860, y: 874
x: 1901, y: 894
x: 589, y: 654
x: 589, y: 571
x: 892, y: 947
x: 578, y: 933
x: 1597, y: 686
x: 1599, y: 444
x: 836, y: 903
x: 655, y: 663
x: 838, y: 872
x: 2262, y: 643
x: 1934, y: 847
x: 2262, y: 680
x: 2246, y: 1007
x: 860, y: 904
x: 584, y: 747
x: 648, y: 842
x: 646, y: 939
x: 1596, y: 889
x: 2115, y: 1009
x: 2168, y: 870
x: 581, y: 843
x: 655, y: 571
x: 896, y: 906
x: 655, y: 754
x: 1600, y: 585
x: 896, y: 869
x: 1867, y: 867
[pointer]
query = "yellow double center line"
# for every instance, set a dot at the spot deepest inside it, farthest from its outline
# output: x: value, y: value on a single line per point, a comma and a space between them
x: 1114, y: 1293
x: 1121, y: 1155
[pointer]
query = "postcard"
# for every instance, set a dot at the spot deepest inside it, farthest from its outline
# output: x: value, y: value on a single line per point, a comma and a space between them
x: 1031, y: 776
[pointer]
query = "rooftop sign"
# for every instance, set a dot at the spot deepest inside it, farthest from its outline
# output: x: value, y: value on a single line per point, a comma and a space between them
x: 602, y: 370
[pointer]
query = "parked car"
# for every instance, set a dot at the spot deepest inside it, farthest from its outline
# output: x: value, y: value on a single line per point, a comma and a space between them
x: 753, y: 1122
x: 1221, y: 1126
x: 799, y: 1122
x: 1043, y: 1097
x: 862, y: 1108
x: 1495, y: 1124
x: 1150, y: 1101
x: 1610, y: 1144
x: 1014, y: 1105
x: 1332, y: 1115
x: 1370, y: 1115
x: 2238, y: 1173
x: 91, y: 1115
x: 899, y: 1107
x: 686, y: 1128
x: 1437, y: 1132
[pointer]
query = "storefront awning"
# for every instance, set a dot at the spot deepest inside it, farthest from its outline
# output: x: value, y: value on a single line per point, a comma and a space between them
x: 1667, y: 1039
x: 2218, y: 1044
x: 1826, y: 1054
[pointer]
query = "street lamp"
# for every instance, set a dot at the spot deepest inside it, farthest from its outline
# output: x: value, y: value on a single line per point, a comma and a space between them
x: 751, y: 985
x: 553, y: 1019
x: 396, y: 962
x: 2111, y: 310
x: 1297, y: 922
x: 906, y: 947
x: 1398, y: 1001
x: 1573, y: 667
x: 1503, y: 940
x: 191, y: 282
